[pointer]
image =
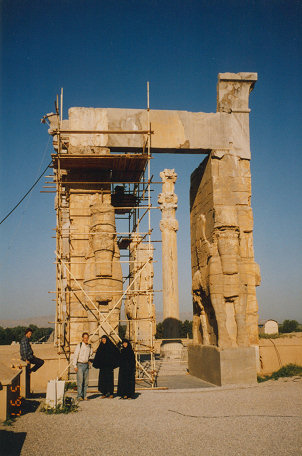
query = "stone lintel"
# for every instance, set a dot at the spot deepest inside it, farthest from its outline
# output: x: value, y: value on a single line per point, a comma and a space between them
x: 173, y: 131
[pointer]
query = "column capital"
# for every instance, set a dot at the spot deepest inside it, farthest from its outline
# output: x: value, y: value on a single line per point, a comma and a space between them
x: 168, y: 175
x: 233, y: 91
x: 168, y: 224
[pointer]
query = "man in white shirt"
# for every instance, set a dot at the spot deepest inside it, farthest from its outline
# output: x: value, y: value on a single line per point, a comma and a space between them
x: 81, y: 358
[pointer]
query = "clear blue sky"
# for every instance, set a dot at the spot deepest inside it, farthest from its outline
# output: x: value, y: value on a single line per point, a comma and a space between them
x: 102, y: 53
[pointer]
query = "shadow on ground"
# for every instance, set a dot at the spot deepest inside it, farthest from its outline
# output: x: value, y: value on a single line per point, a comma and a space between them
x: 37, y: 396
x: 136, y: 395
x: 95, y: 396
x: 29, y: 406
x: 183, y: 381
x: 11, y: 442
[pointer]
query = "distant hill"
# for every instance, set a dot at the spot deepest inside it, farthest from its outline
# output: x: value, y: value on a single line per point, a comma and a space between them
x: 45, y: 321
x: 41, y: 322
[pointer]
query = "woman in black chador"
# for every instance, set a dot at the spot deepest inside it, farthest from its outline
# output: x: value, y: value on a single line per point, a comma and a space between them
x: 126, y: 377
x: 106, y: 359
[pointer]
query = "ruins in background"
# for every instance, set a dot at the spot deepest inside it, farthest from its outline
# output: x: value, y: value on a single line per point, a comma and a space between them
x: 102, y: 172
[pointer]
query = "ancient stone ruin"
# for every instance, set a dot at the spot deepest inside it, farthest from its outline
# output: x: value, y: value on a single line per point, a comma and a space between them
x: 100, y: 162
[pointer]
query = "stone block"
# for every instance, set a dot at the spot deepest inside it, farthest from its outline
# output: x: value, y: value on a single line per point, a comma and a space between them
x: 245, y: 218
x: 225, y: 216
x: 248, y: 272
x: 241, y: 184
x: 245, y: 167
x: 242, y: 198
x: 246, y: 245
x: 231, y: 287
x: 172, y: 129
x: 233, y: 91
x: 223, y: 196
x: 223, y: 367
x: 228, y: 166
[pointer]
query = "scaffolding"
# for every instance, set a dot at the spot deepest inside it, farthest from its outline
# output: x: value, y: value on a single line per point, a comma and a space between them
x: 127, y: 178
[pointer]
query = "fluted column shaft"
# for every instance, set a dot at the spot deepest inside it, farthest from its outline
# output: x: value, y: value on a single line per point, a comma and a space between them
x: 169, y: 226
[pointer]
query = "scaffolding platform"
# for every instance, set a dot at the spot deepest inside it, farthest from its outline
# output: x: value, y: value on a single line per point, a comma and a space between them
x: 122, y: 167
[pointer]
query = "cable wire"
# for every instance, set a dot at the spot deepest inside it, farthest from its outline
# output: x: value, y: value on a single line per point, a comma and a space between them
x: 14, y: 232
x: 27, y: 193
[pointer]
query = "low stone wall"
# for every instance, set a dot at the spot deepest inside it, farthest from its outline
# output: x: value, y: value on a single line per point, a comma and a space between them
x: 157, y: 343
x: 52, y: 368
x: 275, y: 353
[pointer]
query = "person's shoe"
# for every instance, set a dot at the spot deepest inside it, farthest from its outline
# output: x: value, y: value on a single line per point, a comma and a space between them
x: 85, y: 399
x: 79, y: 399
x: 125, y: 397
x: 103, y: 396
x: 111, y: 396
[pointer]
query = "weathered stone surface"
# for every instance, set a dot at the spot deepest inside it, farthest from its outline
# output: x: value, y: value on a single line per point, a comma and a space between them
x: 174, y: 131
x: 89, y: 119
x: 223, y: 367
x: 233, y: 91
x: 224, y: 271
x: 103, y: 281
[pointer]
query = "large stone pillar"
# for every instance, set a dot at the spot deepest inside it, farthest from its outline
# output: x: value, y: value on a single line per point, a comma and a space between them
x: 224, y: 272
x: 169, y: 226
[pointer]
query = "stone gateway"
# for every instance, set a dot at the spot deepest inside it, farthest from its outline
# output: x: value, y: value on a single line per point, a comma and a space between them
x: 99, y: 151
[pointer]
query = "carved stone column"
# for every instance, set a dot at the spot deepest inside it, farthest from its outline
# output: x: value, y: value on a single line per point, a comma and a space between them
x: 169, y: 226
x: 103, y: 274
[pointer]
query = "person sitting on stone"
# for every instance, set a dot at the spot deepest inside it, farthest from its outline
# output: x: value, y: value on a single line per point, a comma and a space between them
x: 82, y: 355
x: 26, y: 352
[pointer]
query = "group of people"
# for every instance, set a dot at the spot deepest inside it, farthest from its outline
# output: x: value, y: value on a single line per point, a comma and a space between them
x: 107, y: 358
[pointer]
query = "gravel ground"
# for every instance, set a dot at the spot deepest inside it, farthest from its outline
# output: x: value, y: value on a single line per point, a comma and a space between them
x: 264, y: 419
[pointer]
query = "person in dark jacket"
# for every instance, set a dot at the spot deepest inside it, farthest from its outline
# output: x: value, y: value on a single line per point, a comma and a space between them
x: 126, y: 378
x: 106, y: 359
x: 26, y: 353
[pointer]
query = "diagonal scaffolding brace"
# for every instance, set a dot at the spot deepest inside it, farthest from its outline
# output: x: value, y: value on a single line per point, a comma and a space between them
x: 104, y: 319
